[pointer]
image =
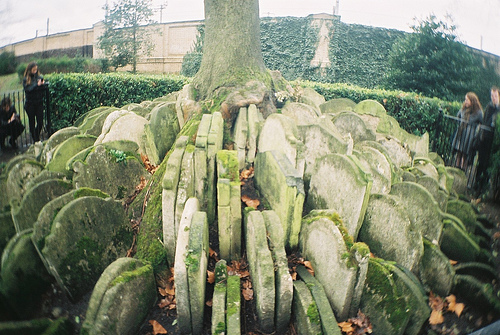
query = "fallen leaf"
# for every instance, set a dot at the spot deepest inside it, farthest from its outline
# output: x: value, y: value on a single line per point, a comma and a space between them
x: 459, y: 308
x: 309, y: 267
x: 452, y: 262
x: 436, y: 302
x: 157, y: 327
x: 210, y: 277
x: 496, y: 236
x: 162, y: 291
x: 346, y: 327
x: 436, y: 317
x: 209, y: 303
x: 254, y: 203
x: 245, y: 174
x: 212, y: 253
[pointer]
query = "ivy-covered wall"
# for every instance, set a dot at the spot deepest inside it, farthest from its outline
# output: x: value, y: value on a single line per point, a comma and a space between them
x: 358, y: 54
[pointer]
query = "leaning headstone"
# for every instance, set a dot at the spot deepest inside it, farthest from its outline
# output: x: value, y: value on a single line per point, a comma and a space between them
x: 54, y: 140
x: 185, y: 187
x: 92, y: 125
x: 229, y: 205
x: 379, y: 167
x: 390, y: 233
x: 164, y: 126
x: 311, y: 97
x: 322, y: 243
x: 201, y: 160
x: 301, y: 113
x: 305, y: 310
x: 456, y: 243
x: 35, y: 198
x: 169, y: 195
x: 282, y: 186
x: 23, y: 278
x: 87, y: 235
x: 261, y: 268
x: 240, y: 135
x: 337, y: 174
x: 328, y: 320
x: 350, y: 122
x: 465, y: 212
x: 283, y: 279
x: 383, y: 301
x: 336, y: 106
x: 219, y: 298
x: 439, y: 194
x: 114, y: 172
x: 399, y: 153
x: 435, y: 270
x: 7, y: 229
x: 197, y: 263
x: 68, y: 149
x: 18, y: 179
x: 214, y: 144
x: 125, y: 282
x: 180, y: 267
x: 459, y: 185
x: 421, y: 207
x: 233, y: 305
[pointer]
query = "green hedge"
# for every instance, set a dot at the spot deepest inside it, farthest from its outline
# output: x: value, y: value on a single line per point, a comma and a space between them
x: 416, y: 114
x: 72, y: 95
x: 65, y: 64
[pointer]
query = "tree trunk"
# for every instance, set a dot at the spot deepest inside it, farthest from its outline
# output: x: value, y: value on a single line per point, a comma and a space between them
x: 232, y: 53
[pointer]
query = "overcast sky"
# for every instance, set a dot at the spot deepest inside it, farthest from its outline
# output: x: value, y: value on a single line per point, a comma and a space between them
x: 478, y: 21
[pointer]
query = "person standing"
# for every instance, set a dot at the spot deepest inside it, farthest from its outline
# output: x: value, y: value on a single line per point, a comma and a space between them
x: 470, y: 115
x: 10, y: 123
x: 486, y: 138
x: 33, y: 84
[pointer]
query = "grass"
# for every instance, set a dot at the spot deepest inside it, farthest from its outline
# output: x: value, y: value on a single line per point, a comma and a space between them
x: 10, y: 82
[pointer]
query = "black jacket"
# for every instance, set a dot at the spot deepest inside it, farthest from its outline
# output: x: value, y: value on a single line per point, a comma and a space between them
x: 34, y: 93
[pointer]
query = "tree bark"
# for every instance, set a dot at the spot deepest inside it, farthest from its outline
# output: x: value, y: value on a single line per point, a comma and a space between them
x: 232, y: 53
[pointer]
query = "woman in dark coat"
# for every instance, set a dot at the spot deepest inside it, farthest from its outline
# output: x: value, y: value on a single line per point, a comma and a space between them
x: 33, y: 84
x: 10, y: 123
x: 471, y: 115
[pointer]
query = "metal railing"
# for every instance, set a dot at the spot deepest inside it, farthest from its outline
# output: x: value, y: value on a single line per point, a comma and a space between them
x: 454, y: 142
x: 18, y: 97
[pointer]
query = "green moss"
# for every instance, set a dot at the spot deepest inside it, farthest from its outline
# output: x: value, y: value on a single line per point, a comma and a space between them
x: 127, y: 276
x: 358, y: 247
x: 335, y: 218
x: 379, y: 282
x: 89, y: 192
x: 313, y: 314
x: 192, y: 260
x: 229, y: 160
x: 233, y: 295
x: 220, y: 328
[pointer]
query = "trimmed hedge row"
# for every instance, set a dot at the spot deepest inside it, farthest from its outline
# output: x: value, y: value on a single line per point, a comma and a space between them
x: 416, y: 114
x: 72, y: 95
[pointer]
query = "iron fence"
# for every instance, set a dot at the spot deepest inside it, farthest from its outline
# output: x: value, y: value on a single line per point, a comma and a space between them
x: 18, y: 98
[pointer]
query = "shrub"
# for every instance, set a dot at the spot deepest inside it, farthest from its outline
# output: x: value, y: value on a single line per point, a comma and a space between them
x: 77, y: 93
x: 7, y: 63
x: 66, y: 65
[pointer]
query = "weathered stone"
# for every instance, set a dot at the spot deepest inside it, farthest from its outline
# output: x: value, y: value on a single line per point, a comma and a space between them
x: 465, y: 212
x: 479, y: 293
x: 301, y: 113
x: 7, y: 229
x: 336, y: 106
x: 233, y: 305
x: 322, y: 243
x: 379, y: 167
x: 114, y: 172
x: 180, y: 267
x: 219, y: 298
x: 261, y: 267
x: 415, y: 297
x: 399, y: 153
x: 186, y: 104
x: 390, y: 233
x: 456, y: 244
x: 282, y: 186
x: 383, y: 301
x: 328, y: 321
x: 320, y: 140
x: 305, y: 310
x: 185, y: 187
x: 55, y: 139
x: 283, y: 280
x: 18, y: 179
x: 125, y: 282
x: 334, y: 176
x: 422, y: 209
x: 240, y: 135
x: 309, y: 96
x: 164, y: 127
x: 87, y: 235
x: 35, y: 198
x: 350, y: 122
x: 418, y: 145
x: 214, y: 144
x: 197, y: 263
x: 439, y: 194
x: 279, y: 133
x: 23, y: 278
x: 92, y: 124
x: 170, y: 182
x: 254, y: 125
x: 435, y: 270
x: 229, y: 205
x: 424, y: 167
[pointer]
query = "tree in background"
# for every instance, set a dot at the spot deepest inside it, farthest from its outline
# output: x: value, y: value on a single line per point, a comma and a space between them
x: 125, y: 39
x: 7, y: 63
x: 433, y: 62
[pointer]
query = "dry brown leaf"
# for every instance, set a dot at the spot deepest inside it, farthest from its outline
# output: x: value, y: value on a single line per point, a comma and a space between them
x: 245, y: 174
x: 212, y: 253
x: 436, y: 302
x: 210, y: 277
x: 459, y: 308
x: 309, y: 267
x: 346, y: 327
x: 209, y: 303
x: 436, y: 318
x: 162, y: 291
x: 157, y: 327
x: 452, y: 262
x: 254, y: 203
x: 496, y: 236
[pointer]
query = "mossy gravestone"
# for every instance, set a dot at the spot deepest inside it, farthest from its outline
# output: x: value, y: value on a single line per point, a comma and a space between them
x: 121, y: 298
x: 86, y: 236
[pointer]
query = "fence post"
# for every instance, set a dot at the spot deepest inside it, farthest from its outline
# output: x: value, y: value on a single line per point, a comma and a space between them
x: 47, y: 110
